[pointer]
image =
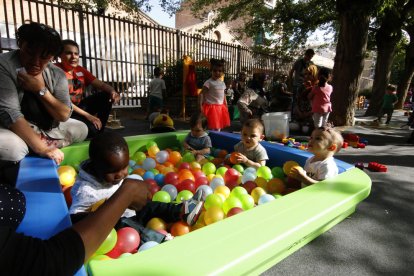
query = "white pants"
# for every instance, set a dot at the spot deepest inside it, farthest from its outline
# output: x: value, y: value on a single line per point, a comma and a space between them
x: 13, y: 148
x: 320, y: 119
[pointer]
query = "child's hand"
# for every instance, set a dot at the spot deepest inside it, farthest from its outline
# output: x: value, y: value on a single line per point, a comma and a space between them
x: 297, y: 173
x: 139, y: 192
x: 241, y: 158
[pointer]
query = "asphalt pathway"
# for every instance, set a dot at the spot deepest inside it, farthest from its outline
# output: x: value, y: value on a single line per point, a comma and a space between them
x: 378, y: 239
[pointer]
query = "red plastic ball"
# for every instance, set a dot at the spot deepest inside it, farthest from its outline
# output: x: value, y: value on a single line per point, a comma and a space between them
x: 186, y: 184
x: 171, y: 178
x: 231, y: 175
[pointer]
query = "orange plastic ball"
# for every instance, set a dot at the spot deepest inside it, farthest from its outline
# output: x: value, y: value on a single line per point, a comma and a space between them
x: 168, y: 164
x: 174, y: 157
x: 233, y: 158
x: 139, y: 171
x: 185, y: 174
x: 180, y: 228
x: 261, y: 182
x: 222, y: 153
x: 275, y: 185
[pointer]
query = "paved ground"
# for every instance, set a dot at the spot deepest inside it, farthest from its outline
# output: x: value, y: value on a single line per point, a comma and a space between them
x: 378, y: 239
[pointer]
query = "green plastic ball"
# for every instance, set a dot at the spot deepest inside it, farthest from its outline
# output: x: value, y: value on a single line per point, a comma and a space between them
x: 161, y: 196
x: 108, y: 243
x: 277, y: 172
x: 209, y: 168
x: 264, y: 172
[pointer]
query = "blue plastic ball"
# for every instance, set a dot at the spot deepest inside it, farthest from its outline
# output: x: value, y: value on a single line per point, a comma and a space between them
x: 159, y: 178
x: 148, y: 175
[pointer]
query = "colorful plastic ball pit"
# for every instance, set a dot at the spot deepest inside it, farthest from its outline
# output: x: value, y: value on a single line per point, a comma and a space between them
x: 263, y: 219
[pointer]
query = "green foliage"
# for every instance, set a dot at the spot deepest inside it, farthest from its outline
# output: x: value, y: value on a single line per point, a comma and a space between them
x: 173, y: 77
x: 398, y: 65
x: 202, y: 74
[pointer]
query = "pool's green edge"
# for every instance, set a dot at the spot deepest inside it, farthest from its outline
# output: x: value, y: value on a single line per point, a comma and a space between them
x: 249, y: 243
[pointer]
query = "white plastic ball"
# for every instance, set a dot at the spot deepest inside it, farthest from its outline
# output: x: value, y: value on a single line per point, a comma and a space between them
x: 148, y: 164
x: 265, y: 199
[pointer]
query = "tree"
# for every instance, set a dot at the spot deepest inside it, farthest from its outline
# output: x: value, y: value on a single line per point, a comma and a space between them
x: 387, y: 37
x: 354, y: 17
x: 408, y: 73
x: 292, y: 21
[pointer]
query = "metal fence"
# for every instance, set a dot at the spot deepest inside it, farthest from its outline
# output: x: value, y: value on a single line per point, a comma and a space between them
x: 124, y: 52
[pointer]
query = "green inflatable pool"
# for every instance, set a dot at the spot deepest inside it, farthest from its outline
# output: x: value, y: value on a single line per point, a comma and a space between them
x: 252, y: 241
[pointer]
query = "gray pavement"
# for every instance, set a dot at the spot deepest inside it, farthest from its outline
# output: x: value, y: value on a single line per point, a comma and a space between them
x: 378, y: 239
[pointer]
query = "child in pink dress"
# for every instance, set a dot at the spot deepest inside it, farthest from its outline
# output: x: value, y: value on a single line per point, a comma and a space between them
x: 321, y: 99
x: 212, y: 99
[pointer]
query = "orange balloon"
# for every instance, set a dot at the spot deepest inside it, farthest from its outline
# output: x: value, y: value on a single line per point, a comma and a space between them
x: 233, y: 158
x: 180, y: 228
x: 174, y: 157
x: 275, y: 185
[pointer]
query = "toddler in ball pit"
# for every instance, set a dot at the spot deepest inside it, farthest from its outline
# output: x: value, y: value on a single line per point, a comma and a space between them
x: 104, y: 172
x: 197, y: 140
x: 324, y: 143
x: 249, y: 150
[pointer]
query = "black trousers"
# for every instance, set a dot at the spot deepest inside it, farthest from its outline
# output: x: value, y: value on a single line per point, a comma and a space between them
x: 97, y: 104
x: 167, y: 211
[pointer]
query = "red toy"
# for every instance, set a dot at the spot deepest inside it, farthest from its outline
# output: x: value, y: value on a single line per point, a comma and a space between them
x: 376, y: 167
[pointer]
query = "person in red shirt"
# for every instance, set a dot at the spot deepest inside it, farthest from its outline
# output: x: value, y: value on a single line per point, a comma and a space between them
x: 93, y: 110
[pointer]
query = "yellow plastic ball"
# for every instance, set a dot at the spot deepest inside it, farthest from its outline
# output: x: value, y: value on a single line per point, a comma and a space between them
x: 213, y: 215
x: 256, y: 193
x: 224, y: 190
x: 152, y: 151
x: 67, y: 175
x: 288, y: 166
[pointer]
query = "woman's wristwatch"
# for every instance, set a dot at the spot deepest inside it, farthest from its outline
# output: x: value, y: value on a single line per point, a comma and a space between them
x: 42, y: 91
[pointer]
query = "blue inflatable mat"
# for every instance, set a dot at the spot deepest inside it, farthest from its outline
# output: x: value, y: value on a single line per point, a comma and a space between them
x: 278, y: 154
x: 46, y: 211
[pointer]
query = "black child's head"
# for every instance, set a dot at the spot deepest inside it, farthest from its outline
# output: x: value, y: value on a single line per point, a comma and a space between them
x: 109, y: 157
